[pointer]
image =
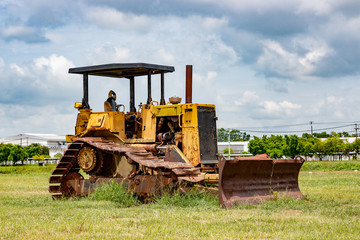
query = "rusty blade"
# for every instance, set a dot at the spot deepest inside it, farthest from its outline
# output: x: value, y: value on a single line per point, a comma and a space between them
x: 257, y: 178
x: 285, y: 176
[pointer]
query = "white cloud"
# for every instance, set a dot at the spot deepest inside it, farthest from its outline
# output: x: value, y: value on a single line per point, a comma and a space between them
x: 334, y: 100
x: 248, y: 97
x: 278, y: 61
x: 17, y: 31
x: 105, y: 17
x: 251, y: 104
x: 108, y: 53
x: 271, y: 108
x: 319, y: 7
x: 43, y: 77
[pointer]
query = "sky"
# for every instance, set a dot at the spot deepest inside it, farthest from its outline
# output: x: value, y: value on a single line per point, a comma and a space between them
x: 262, y: 63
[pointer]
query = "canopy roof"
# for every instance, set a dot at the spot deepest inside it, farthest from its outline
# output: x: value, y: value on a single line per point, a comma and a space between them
x: 122, y: 70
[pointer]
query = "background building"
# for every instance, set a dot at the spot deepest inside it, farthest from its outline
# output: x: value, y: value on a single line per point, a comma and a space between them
x: 55, y: 143
x: 237, y: 147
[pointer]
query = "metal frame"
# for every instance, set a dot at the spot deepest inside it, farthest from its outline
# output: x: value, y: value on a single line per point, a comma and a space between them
x: 123, y: 70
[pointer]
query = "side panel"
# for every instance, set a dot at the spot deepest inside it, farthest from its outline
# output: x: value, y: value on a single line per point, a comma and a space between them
x: 111, y: 121
x: 148, y: 123
x: 190, y: 134
x: 207, y: 134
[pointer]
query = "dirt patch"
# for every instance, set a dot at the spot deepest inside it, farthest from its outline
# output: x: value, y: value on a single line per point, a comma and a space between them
x: 291, y: 211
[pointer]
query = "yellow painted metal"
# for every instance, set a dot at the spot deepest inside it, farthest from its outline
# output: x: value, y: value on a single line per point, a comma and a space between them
x: 210, y: 177
x: 82, y: 120
x: 148, y: 124
x: 112, y: 121
x: 190, y: 133
x: 78, y: 105
x: 167, y: 110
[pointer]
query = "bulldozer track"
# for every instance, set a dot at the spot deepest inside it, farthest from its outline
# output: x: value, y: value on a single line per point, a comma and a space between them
x: 68, y: 163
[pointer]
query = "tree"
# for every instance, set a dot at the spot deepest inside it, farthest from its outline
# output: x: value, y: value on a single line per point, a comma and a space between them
x: 306, y: 135
x: 257, y: 146
x: 58, y: 155
x: 333, y: 145
x: 321, y: 135
x: 235, y: 135
x: 356, y: 146
x: 318, y: 149
x: 226, y: 151
x: 5, y: 151
x: 222, y: 135
x: 275, y: 146
x: 348, y: 148
x: 36, y: 149
x: 17, y: 153
x: 344, y: 134
x: 292, y: 147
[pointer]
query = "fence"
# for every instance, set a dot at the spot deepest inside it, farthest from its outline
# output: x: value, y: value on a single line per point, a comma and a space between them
x: 31, y: 161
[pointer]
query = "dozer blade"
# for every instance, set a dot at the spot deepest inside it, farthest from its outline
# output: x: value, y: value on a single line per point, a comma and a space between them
x: 257, y: 178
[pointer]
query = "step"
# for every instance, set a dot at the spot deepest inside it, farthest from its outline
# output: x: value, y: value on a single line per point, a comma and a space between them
x: 55, y: 179
x: 76, y: 145
x: 68, y: 159
x: 71, y: 152
x: 59, y: 171
x: 55, y: 189
x: 66, y: 165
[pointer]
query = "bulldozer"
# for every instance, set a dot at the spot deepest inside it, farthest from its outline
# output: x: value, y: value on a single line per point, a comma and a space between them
x: 160, y: 145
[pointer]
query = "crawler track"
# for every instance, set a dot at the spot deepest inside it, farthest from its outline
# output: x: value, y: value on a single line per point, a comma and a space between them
x: 68, y: 168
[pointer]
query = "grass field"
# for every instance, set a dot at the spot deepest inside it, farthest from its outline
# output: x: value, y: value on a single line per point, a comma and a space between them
x: 331, y: 210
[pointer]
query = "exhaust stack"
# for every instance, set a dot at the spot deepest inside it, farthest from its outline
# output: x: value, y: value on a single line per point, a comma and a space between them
x: 188, y: 94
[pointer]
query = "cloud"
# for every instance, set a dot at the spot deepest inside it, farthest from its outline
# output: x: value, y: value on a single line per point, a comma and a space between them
x: 248, y: 97
x: 276, y: 61
x: 106, y: 53
x: 258, y: 61
x: 251, y: 104
x: 23, y: 33
x: 39, y: 119
x: 106, y: 17
x: 30, y: 84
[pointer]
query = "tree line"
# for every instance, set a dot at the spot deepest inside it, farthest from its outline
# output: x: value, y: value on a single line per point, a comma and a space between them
x: 235, y: 135
x: 292, y: 145
x: 15, y: 153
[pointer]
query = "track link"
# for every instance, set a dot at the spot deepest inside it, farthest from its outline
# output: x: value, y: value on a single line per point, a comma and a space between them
x: 68, y: 163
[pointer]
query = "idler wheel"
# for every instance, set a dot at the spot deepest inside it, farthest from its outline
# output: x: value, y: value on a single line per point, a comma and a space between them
x: 67, y: 186
x: 87, y: 159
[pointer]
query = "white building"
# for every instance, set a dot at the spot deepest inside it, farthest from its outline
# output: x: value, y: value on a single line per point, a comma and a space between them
x: 55, y: 143
x: 237, y: 147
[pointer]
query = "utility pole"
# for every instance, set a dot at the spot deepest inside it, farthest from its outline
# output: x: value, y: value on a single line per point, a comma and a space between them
x: 311, y: 126
x: 229, y: 145
x: 356, y: 130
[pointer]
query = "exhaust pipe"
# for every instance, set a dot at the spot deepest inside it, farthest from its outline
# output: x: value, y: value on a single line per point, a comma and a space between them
x: 188, y: 94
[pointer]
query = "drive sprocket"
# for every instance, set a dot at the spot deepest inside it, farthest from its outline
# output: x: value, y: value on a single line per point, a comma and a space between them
x: 87, y: 159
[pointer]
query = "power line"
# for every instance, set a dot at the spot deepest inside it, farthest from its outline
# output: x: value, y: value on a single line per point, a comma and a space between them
x: 295, y: 131
x: 302, y: 124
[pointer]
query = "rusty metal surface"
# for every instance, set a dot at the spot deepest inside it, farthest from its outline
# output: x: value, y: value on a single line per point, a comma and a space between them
x: 257, y: 178
x: 144, y: 185
x: 188, y: 93
x: 61, y: 183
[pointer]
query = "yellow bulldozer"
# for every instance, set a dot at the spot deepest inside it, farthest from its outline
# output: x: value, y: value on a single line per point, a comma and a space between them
x: 161, y: 145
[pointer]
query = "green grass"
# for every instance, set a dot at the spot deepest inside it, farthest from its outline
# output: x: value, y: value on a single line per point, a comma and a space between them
x: 115, y: 192
x: 331, y: 210
x: 331, y: 165
x: 20, y: 169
